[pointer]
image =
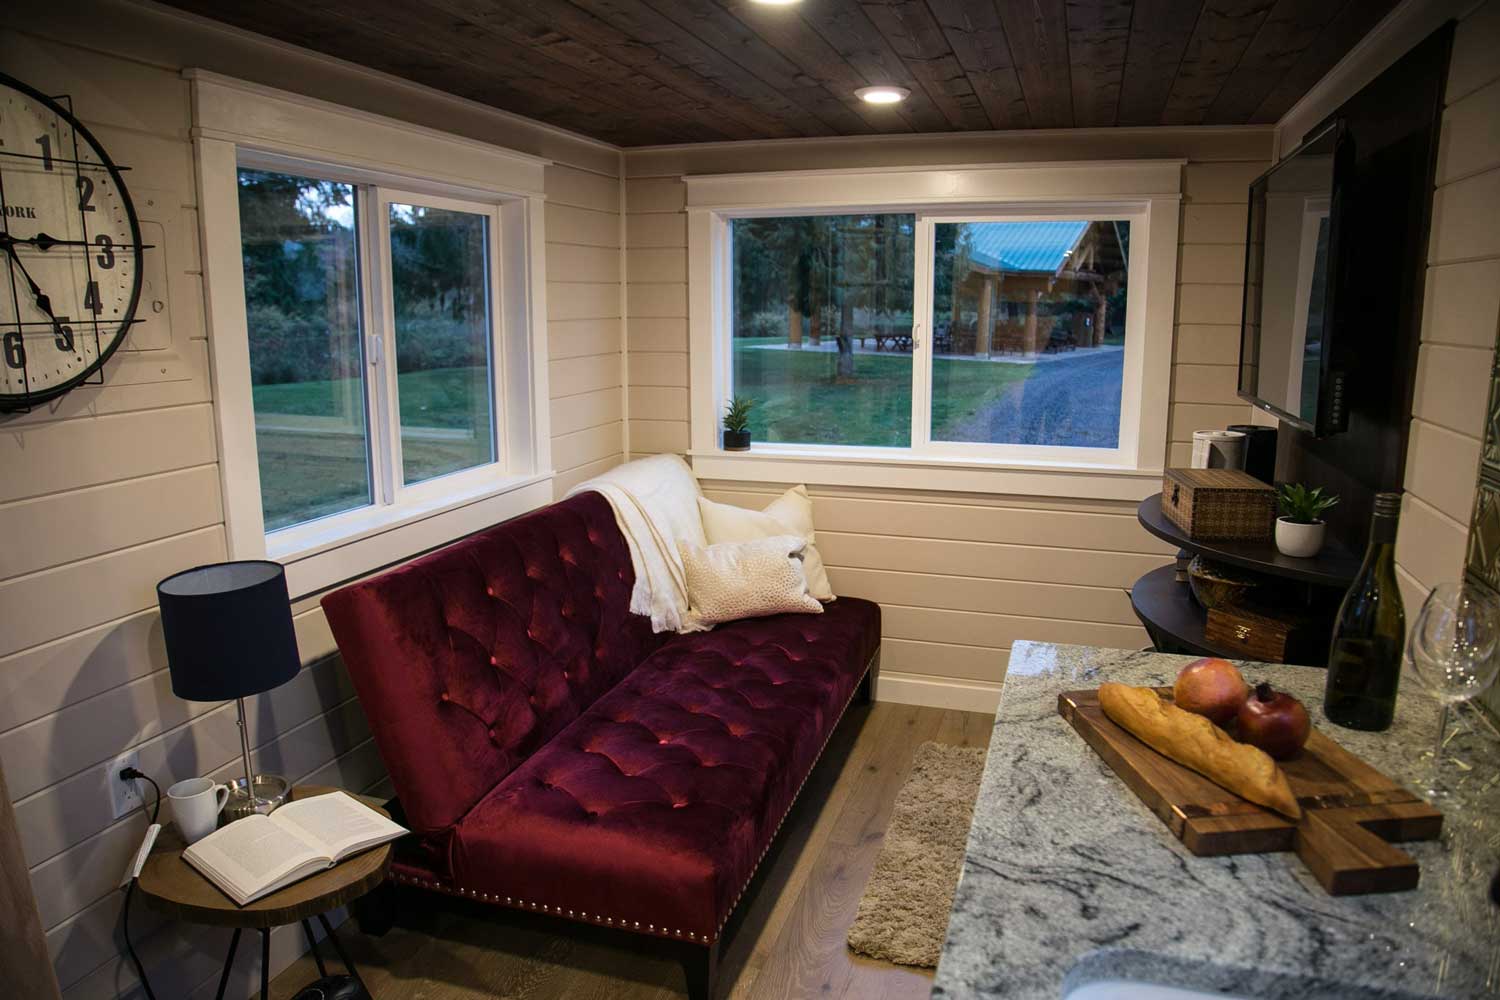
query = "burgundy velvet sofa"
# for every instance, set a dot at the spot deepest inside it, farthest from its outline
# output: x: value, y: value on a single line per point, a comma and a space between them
x: 551, y: 754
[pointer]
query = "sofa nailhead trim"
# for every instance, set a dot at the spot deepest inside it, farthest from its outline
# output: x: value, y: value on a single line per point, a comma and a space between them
x: 651, y: 928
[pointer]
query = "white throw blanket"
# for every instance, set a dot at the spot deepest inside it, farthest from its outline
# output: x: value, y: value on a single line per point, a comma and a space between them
x: 656, y: 506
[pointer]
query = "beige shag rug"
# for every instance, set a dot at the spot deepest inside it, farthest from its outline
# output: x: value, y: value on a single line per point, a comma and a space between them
x: 903, y: 915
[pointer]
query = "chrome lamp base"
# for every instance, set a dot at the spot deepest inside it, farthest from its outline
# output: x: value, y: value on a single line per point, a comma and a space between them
x: 268, y: 792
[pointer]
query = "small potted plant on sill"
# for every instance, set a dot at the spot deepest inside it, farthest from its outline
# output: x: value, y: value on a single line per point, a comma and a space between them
x: 1300, y: 528
x: 737, y: 424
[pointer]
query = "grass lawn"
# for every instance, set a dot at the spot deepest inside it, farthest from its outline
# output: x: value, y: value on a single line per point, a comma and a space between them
x: 798, y: 400
x: 436, y: 398
x: 311, y: 470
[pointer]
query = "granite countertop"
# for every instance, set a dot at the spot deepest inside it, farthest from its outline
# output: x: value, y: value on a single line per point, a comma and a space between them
x: 1068, y: 878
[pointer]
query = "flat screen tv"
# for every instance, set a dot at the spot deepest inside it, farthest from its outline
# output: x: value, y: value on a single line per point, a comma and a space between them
x: 1290, y: 362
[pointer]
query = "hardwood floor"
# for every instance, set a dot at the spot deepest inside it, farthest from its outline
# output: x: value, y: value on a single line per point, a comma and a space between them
x: 786, y: 940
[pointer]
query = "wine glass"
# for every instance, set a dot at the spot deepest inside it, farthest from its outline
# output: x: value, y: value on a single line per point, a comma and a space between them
x: 1452, y: 646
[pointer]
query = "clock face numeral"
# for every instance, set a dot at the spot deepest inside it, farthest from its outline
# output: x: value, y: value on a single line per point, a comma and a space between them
x: 15, y: 350
x: 70, y: 252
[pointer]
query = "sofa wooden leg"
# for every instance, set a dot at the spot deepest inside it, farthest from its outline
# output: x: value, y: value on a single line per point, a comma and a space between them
x: 701, y: 964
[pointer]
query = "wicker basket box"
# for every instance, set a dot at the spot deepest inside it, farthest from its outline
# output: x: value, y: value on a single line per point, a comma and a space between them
x: 1224, y: 505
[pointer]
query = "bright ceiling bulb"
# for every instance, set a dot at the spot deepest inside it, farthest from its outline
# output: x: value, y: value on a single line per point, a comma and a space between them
x: 775, y: 3
x: 882, y: 95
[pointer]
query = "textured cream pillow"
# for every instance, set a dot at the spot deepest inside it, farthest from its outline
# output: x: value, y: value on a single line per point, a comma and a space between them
x: 790, y: 513
x: 737, y: 580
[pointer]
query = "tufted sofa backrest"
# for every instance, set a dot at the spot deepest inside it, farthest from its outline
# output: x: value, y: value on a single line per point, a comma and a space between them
x: 469, y: 659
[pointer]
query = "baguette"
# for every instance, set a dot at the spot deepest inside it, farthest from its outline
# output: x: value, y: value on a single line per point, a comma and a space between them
x: 1195, y: 742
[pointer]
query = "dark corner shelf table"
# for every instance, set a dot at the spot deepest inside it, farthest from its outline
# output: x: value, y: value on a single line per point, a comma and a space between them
x: 173, y: 887
x: 1177, y: 623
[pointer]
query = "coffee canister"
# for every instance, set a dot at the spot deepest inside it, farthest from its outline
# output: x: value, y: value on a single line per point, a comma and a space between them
x: 1260, y: 450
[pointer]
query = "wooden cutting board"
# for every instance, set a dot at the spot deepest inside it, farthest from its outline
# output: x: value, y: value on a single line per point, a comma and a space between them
x: 1351, y: 812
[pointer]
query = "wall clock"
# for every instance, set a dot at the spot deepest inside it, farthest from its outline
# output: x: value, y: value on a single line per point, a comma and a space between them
x: 71, y: 250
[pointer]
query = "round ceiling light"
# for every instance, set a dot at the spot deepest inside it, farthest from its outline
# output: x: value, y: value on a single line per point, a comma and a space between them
x: 775, y: 3
x: 882, y: 95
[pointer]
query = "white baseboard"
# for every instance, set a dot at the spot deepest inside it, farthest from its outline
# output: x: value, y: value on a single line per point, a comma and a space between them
x: 938, y: 692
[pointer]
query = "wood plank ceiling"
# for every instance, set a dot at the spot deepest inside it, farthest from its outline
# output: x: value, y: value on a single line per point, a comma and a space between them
x: 641, y: 72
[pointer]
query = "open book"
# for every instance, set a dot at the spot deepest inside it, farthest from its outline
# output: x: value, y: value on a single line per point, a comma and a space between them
x: 259, y: 854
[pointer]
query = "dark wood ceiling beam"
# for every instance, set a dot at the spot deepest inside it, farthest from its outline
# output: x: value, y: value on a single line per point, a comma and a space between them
x: 846, y: 29
x: 643, y: 24
x: 1098, y: 38
x: 1159, y: 33
x: 1038, y: 34
x: 1224, y: 31
x: 917, y: 39
x: 974, y: 32
x: 730, y: 36
x: 786, y: 32
x: 683, y: 113
x: 1285, y: 34
x: 1353, y: 22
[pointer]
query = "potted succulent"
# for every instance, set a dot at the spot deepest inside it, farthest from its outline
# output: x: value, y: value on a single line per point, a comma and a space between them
x: 1300, y: 528
x: 737, y: 424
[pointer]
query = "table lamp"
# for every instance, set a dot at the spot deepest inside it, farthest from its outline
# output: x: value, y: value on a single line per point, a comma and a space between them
x: 228, y: 630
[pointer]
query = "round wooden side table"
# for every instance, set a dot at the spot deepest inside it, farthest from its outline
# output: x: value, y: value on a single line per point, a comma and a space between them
x: 175, y: 888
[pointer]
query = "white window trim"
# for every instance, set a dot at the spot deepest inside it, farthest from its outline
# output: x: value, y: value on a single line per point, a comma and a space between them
x: 235, y: 123
x: 1148, y: 192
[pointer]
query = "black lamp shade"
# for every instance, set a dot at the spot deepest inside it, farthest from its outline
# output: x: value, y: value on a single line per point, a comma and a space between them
x: 228, y: 629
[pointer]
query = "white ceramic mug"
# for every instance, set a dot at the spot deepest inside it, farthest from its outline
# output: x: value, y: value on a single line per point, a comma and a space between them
x: 196, y: 804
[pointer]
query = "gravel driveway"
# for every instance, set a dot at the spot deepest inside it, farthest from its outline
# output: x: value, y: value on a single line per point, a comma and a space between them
x: 1073, y: 402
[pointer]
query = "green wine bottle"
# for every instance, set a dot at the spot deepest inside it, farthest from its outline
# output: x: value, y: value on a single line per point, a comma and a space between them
x: 1364, y: 661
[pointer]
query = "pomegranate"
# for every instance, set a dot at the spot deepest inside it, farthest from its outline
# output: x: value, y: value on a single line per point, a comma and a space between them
x: 1211, y: 687
x: 1274, y: 721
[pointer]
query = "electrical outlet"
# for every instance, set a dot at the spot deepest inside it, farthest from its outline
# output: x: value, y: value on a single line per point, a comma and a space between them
x: 123, y: 795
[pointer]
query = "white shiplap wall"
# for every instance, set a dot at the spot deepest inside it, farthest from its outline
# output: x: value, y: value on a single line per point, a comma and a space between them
x: 1460, y: 317
x: 115, y: 487
x: 962, y: 576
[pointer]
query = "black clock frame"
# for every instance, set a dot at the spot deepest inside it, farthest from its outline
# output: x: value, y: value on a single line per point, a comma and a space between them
x: 23, y: 402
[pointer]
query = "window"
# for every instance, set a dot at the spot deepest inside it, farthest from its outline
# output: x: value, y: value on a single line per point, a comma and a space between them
x: 1027, y: 317
x: 1028, y: 332
x: 377, y: 339
x: 440, y: 291
x: 998, y: 319
x: 319, y: 330
x: 302, y: 302
x: 822, y: 328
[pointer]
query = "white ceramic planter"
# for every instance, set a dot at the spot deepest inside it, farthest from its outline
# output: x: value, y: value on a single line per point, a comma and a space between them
x: 1300, y: 541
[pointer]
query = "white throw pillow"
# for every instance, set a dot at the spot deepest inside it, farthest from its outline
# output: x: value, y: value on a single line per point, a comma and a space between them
x: 737, y: 580
x: 790, y: 513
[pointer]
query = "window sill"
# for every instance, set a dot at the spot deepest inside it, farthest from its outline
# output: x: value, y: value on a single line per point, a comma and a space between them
x: 782, y: 464
x: 362, y: 541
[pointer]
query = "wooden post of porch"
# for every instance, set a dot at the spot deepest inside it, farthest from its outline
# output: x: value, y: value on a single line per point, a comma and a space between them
x: 793, y: 327
x: 985, y: 335
x: 1029, y: 345
x: 1101, y: 318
